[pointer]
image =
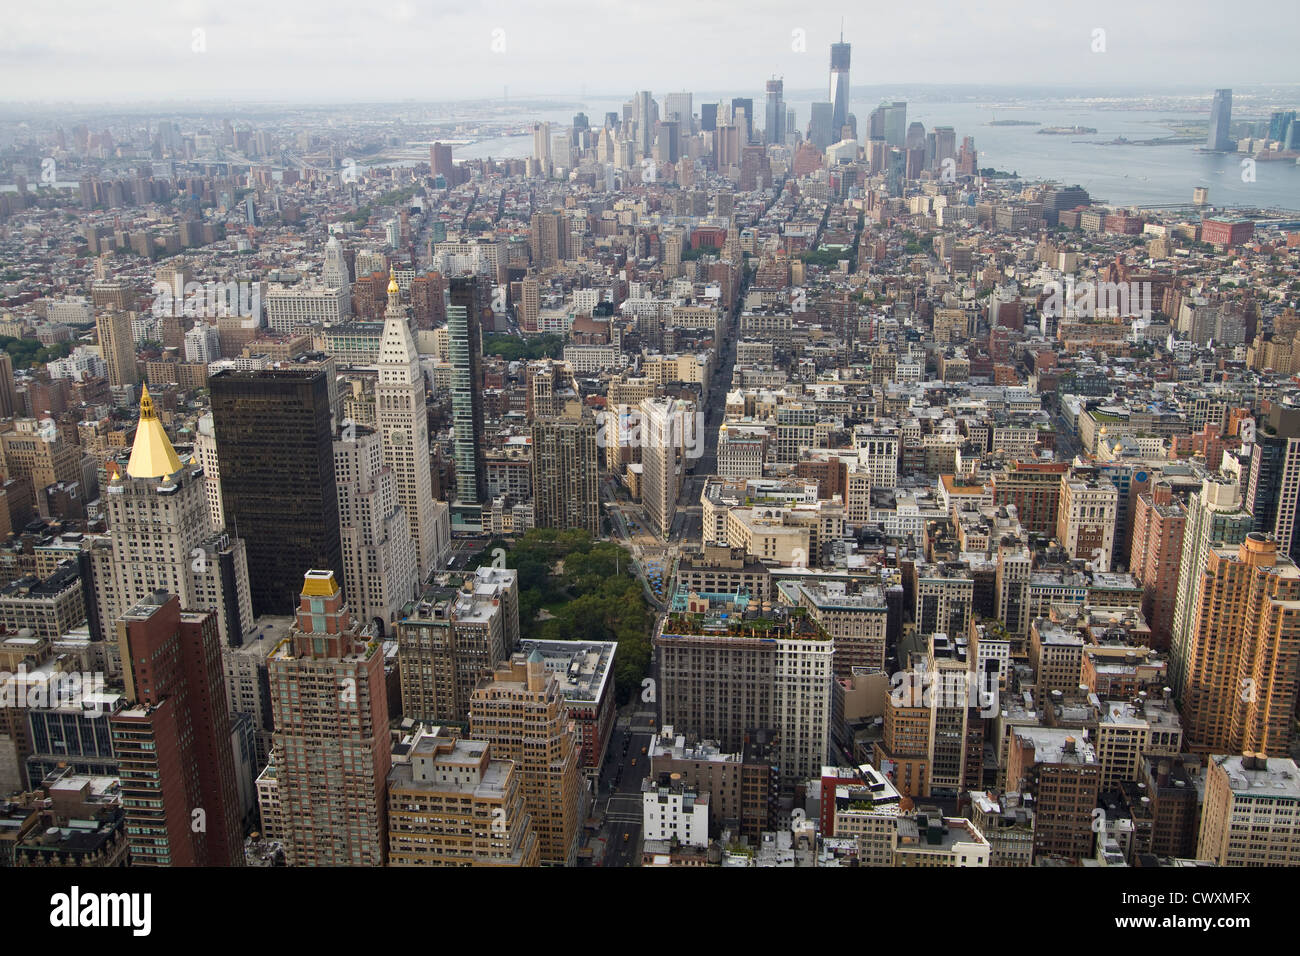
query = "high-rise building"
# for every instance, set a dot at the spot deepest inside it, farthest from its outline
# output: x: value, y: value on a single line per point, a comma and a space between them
x: 452, y: 638
x: 117, y: 346
x: 452, y: 803
x: 162, y: 539
x: 1241, y: 661
x: 440, y: 163
x: 1158, y: 525
x: 645, y: 122
x: 1085, y: 522
x: 708, y: 117
x: 275, y: 445
x: 566, y: 474
x: 323, y: 793
x: 381, y: 573
x: 173, y: 740
x: 1215, y: 519
x: 1273, y: 487
x: 840, y: 55
x: 8, y: 392
x: 663, y: 422
x: 1251, y: 815
x: 774, y: 128
x: 821, y: 125
x: 404, y: 425
x: 721, y: 678
x: 745, y: 105
x: 522, y: 715
x: 542, y: 146
x: 1219, y: 137
x: 465, y: 348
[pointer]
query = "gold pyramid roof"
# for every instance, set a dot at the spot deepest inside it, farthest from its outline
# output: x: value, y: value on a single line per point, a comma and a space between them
x: 152, y: 455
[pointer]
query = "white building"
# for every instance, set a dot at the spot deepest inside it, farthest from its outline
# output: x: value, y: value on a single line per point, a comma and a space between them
x: 671, y: 811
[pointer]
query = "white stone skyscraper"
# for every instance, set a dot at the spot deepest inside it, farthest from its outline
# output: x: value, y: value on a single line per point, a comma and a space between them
x: 162, y: 538
x: 399, y: 410
x: 335, y: 274
x: 380, y: 572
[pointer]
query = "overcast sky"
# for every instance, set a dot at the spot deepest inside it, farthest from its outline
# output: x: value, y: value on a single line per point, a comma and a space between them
x: 92, y: 51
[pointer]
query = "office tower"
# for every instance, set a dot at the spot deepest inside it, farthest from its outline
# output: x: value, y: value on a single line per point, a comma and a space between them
x: 1251, y: 815
x: 323, y: 795
x: 723, y: 677
x: 547, y: 238
x: 176, y: 759
x: 856, y: 618
x: 945, y: 146
x: 1279, y: 124
x: 1273, y: 487
x: 895, y: 120
x: 275, y: 446
x: 465, y: 348
x: 404, y: 425
x: 202, y: 343
x: 162, y: 538
x: 335, y: 272
x: 746, y: 105
x: 726, y: 149
x: 708, y: 117
x: 522, y: 715
x: 440, y: 163
x: 1158, y: 525
x: 542, y: 146
x: 662, y: 424
x: 566, y: 474
x: 678, y: 108
x: 645, y: 120
x: 8, y: 393
x: 452, y: 638
x: 452, y: 803
x: 821, y: 125
x: 1085, y: 521
x: 1215, y: 519
x: 774, y: 127
x: 1219, y: 137
x: 1241, y: 662
x: 381, y: 571
x: 117, y: 346
x: 840, y: 55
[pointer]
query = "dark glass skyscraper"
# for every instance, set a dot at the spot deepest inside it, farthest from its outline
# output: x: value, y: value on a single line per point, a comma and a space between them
x: 466, y: 347
x: 746, y: 104
x: 275, y: 452
x: 774, y: 126
x: 840, y: 53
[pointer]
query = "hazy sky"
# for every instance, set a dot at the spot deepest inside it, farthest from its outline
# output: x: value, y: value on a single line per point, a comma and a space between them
x: 92, y: 51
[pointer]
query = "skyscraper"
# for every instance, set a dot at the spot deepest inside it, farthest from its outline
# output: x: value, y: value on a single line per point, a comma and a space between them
x: 746, y: 104
x: 840, y: 55
x: 820, y: 125
x: 161, y: 538
x: 1220, y: 121
x: 774, y: 126
x: 521, y: 713
x: 465, y: 348
x: 173, y: 741
x: 117, y: 346
x: 323, y: 794
x: 404, y: 425
x: 1273, y: 488
x: 381, y: 572
x: 1215, y: 519
x: 1241, y: 661
x: 661, y: 438
x: 275, y: 446
x: 645, y: 120
x: 566, y: 474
